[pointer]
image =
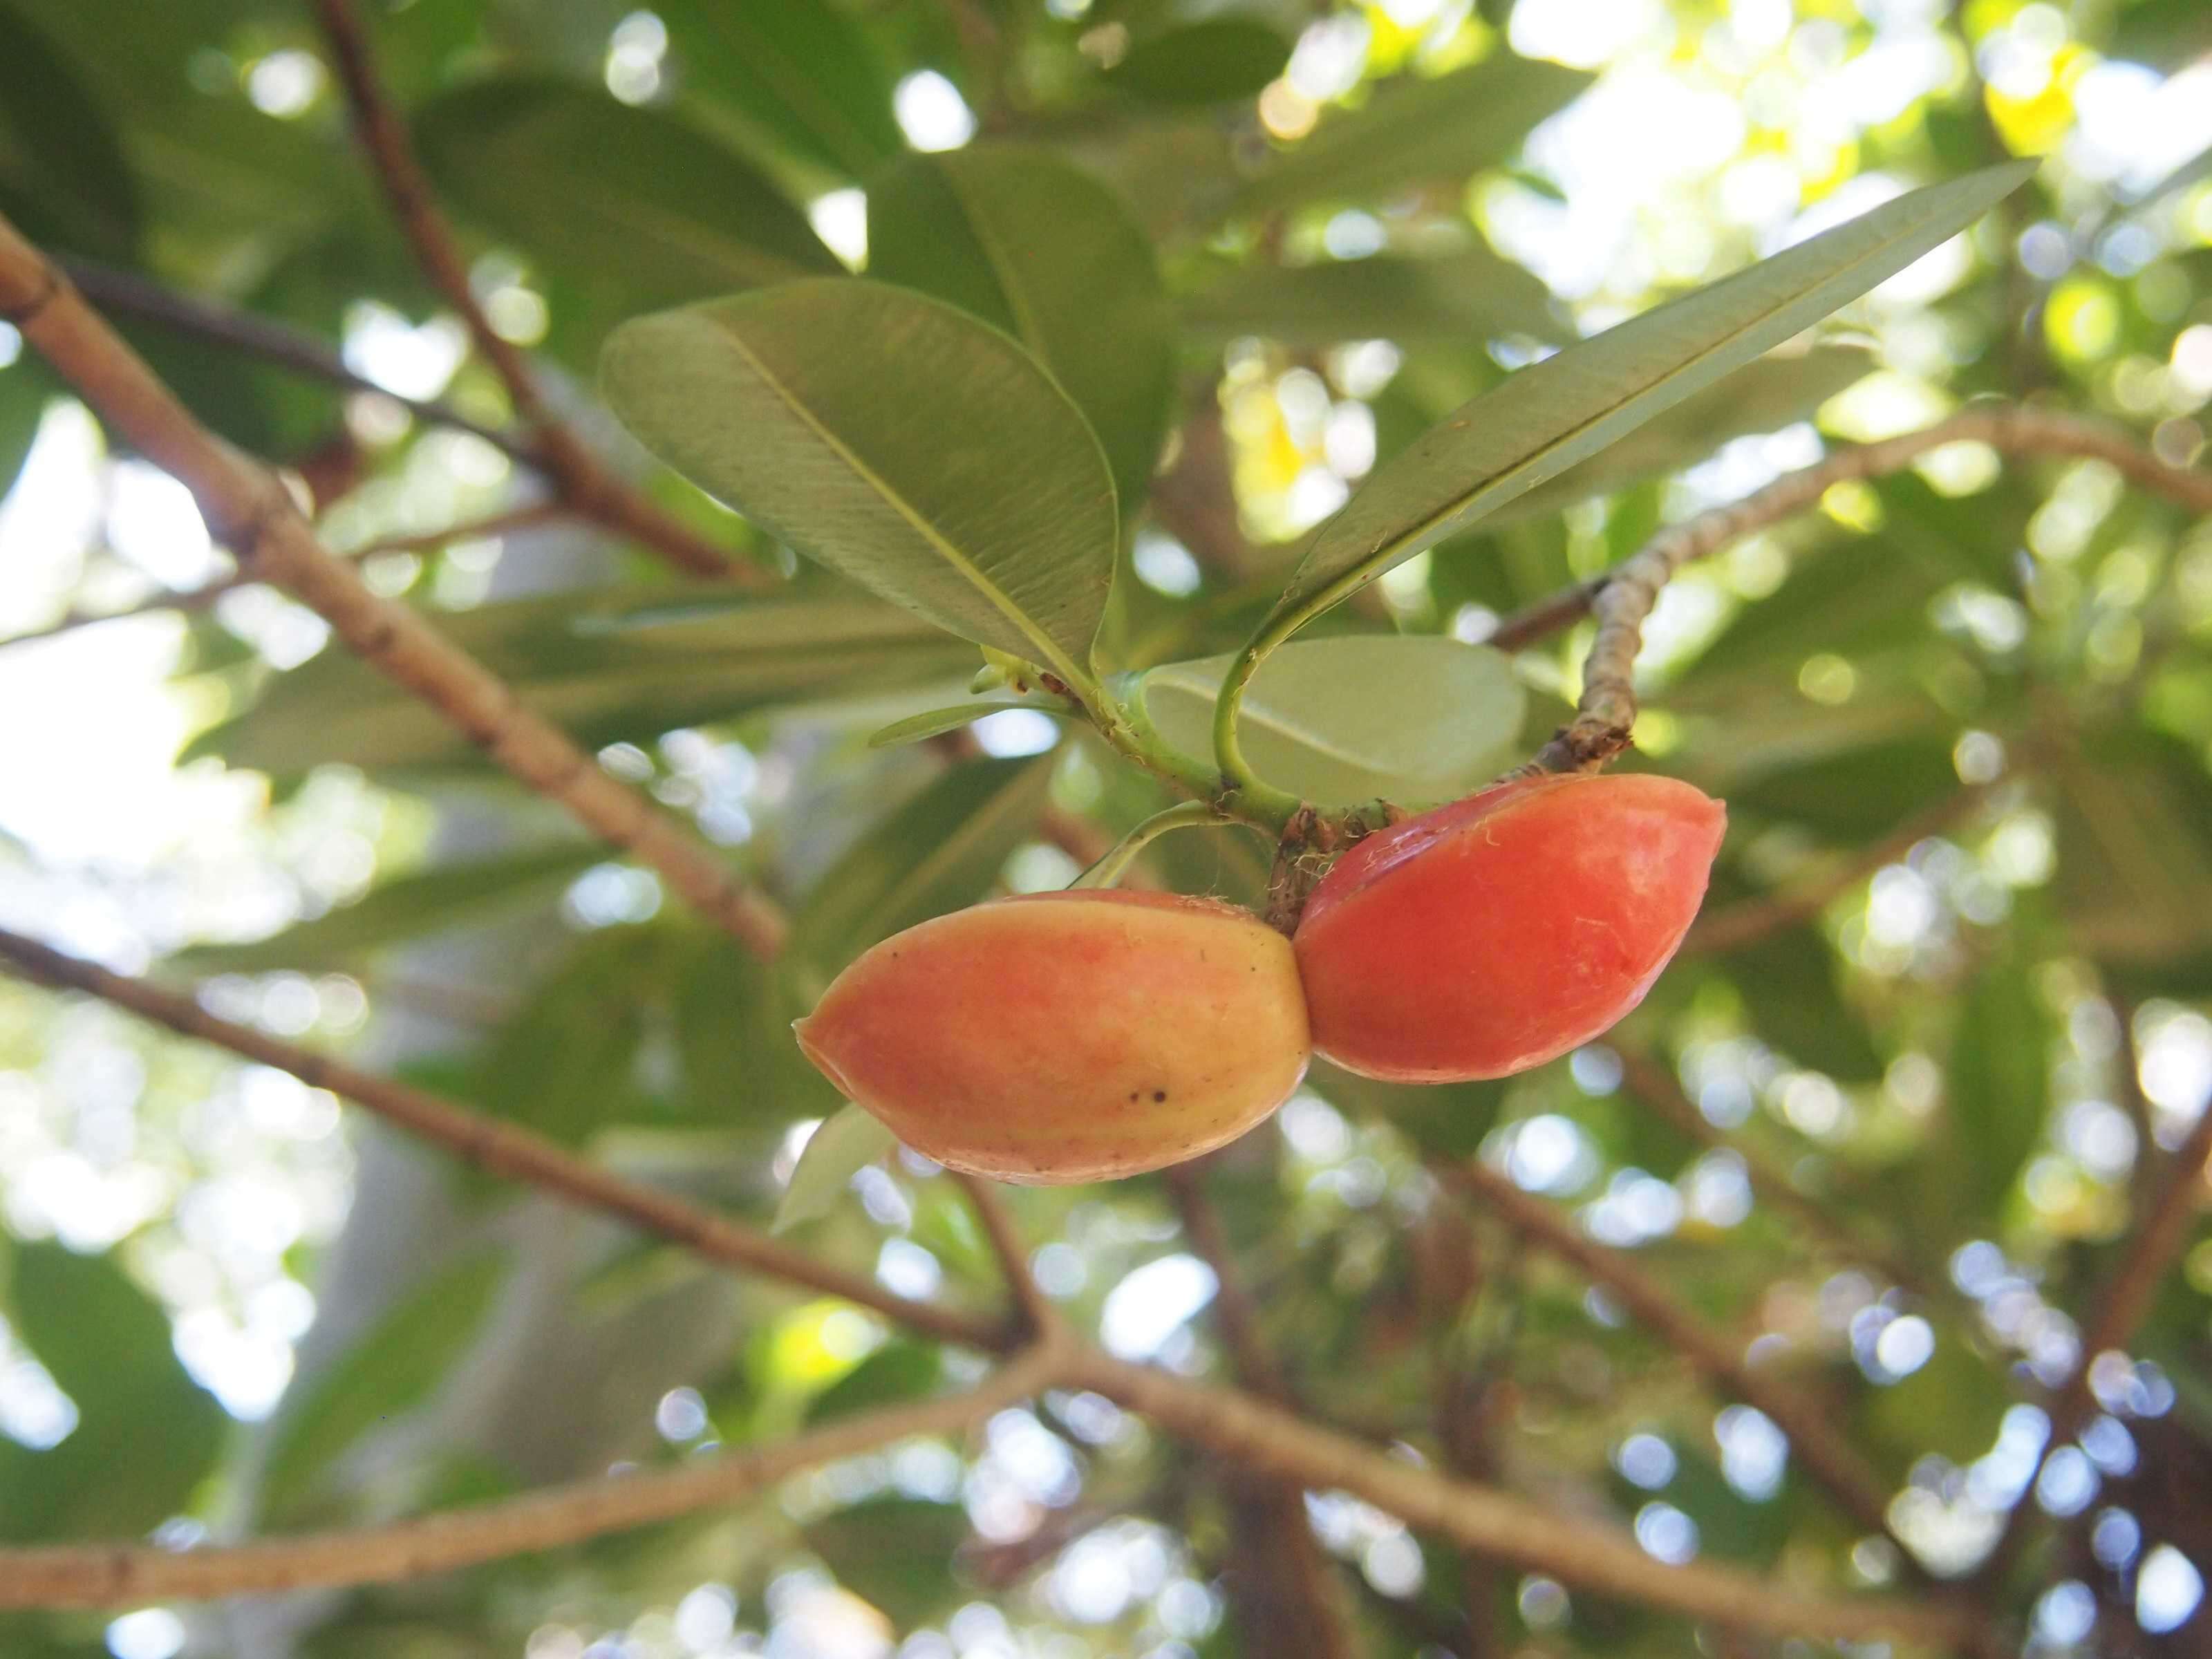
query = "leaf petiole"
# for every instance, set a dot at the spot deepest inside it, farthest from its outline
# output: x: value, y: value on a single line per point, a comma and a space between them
x: 1109, y: 870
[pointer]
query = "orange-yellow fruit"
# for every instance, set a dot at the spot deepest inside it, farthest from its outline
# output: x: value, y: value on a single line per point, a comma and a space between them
x: 1068, y: 1036
x: 1496, y: 933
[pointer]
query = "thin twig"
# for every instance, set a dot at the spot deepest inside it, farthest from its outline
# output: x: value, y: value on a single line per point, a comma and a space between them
x: 1602, y: 1559
x: 585, y: 482
x: 1449, y: 1276
x: 2127, y: 1066
x: 1194, y: 500
x: 503, y: 1149
x: 1229, y: 1423
x: 1085, y: 841
x: 1235, y: 1313
x: 112, y: 1575
x: 1288, y: 1598
x: 199, y: 599
x: 248, y: 508
x: 1038, y: 1317
x: 2120, y: 1304
x: 1809, y: 1424
x: 125, y: 293
x: 1622, y: 598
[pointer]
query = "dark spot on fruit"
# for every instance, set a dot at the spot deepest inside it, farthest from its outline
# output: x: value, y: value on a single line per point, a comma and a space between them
x: 1133, y: 1094
x: 1159, y: 1094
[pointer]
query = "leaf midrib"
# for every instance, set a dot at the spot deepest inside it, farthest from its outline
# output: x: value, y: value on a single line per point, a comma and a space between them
x: 1027, y: 328
x: 1353, y: 577
x: 1054, y: 657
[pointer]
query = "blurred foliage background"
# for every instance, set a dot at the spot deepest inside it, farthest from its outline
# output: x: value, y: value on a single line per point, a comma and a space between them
x: 1962, y: 717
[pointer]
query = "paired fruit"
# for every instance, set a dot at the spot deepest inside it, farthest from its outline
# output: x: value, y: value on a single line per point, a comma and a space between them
x: 1087, y: 1035
x: 1496, y: 933
x: 1078, y: 1035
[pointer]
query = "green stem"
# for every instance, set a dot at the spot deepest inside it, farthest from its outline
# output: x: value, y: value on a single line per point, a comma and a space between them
x: 1239, y: 782
x: 1109, y: 870
x: 1132, y: 736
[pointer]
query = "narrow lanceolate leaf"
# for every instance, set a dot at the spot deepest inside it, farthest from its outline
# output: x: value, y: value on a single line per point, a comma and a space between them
x: 845, y: 1142
x: 566, y: 1063
x: 1444, y: 128
x: 1045, y: 251
x: 1761, y: 397
x: 146, y: 1434
x: 63, y: 171
x: 935, y: 722
x: 799, y: 70
x: 1998, y: 1094
x: 939, y: 851
x: 894, y: 438
x: 1472, y: 295
x: 391, y: 1369
x: 405, y: 908
x: 1212, y: 62
x: 1571, y: 406
x: 607, y: 666
x: 629, y: 207
x: 1339, y: 722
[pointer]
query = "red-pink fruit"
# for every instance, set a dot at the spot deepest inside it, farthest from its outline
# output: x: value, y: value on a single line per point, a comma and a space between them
x: 1499, y: 932
x: 1068, y: 1036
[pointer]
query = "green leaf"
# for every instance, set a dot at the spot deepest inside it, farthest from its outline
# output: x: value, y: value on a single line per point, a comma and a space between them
x: 604, y: 665
x: 901, y: 1370
x: 393, y: 1368
x: 1730, y: 1527
x: 1998, y: 1091
x: 1571, y: 406
x: 215, y: 176
x: 1337, y: 721
x: 1047, y: 254
x: 1853, y: 797
x: 1788, y: 983
x: 566, y: 1064
x: 896, y: 1552
x: 798, y: 69
x: 63, y: 173
x: 1952, y: 1406
x: 1416, y: 131
x: 895, y: 439
x: 22, y: 406
x: 1775, y: 391
x: 2134, y: 813
x: 937, y: 852
x: 1213, y: 61
x: 630, y: 208
x: 1472, y: 295
x: 934, y: 722
x: 742, y: 1071
x: 847, y: 1141
x: 405, y: 908
x: 2167, y: 34
x: 146, y: 1433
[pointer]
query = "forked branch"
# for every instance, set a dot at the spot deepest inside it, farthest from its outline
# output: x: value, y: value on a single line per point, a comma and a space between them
x: 1263, y: 1437
x: 249, y: 509
x: 1288, y: 1597
x: 586, y: 482
x: 192, y: 599
x: 127, y: 1575
x: 1824, y: 1451
x: 500, y: 1148
x: 2121, y: 1303
x: 1622, y: 599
